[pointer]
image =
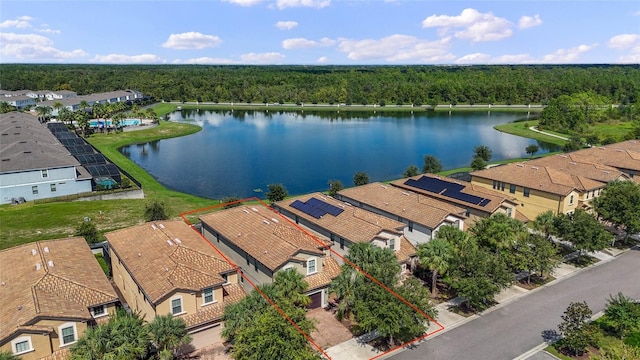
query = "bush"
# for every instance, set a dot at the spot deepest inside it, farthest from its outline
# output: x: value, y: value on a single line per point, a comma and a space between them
x: 103, y: 264
x: 155, y: 211
x: 89, y: 231
x: 633, y: 339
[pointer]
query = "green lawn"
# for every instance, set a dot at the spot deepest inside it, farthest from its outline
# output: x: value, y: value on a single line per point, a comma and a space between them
x: 519, y: 129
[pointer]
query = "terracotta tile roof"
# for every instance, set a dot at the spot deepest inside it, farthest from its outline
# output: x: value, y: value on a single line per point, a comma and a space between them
x: 167, y: 255
x: 353, y: 224
x: 496, y: 199
x: 522, y: 217
x: 406, y: 252
x: 574, y: 164
x: 418, y: 208
x: 54, y: 278
x: 210, y: 313
x: 538, y: 177
x: 263, y: 234
x: 622, y: 156
x: 633, y: 145
x: 330, y: 269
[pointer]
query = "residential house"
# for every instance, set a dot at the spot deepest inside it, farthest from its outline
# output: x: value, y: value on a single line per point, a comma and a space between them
x: 20, y: 101
x: 624, y: 156
x: 60, y: 94
x: 540, y: 188
x: 422, y: 215
x: 345, y: 225
x: 262, y: 243
x: 166, y: 267
x: 34, y: 164
x: 50, y: 292
x: 478, y: 201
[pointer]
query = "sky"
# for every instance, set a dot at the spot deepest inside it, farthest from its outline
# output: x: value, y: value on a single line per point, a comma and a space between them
x: 320, y: 32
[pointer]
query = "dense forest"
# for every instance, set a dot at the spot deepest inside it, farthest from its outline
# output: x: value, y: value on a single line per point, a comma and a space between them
x: 418, y: 85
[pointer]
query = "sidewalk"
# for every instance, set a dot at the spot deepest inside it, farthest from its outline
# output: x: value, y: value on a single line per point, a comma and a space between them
x: 355, y: 349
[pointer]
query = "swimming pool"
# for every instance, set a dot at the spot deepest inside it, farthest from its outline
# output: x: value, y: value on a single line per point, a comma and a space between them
x: 125, y: 122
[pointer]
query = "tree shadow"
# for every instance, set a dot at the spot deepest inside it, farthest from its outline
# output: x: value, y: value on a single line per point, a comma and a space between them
x: 550, y: 336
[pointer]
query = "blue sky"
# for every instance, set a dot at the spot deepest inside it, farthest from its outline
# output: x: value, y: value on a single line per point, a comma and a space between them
x: 317, y: 32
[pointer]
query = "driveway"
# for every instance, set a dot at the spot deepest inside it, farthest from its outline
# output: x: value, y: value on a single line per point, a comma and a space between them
x: 517, y: 327
x: 329, y: 331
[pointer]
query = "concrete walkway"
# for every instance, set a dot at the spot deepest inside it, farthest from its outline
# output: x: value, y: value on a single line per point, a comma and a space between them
x: 533, y: 128
x: 356, y: 349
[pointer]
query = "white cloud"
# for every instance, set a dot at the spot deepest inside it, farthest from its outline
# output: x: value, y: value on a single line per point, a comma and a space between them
x: 128, y: 59
x: 482, y: 58
x: 245, y: 3
x: 48, y: 31
x: 632, y: 58
x: 624, y: 41
x: 206, y: 60
x: 475, y: 58
x: 286, y: 25
x: 567, y: 55
x: 529, y: 22
x: 191, y: 40
x: 396, y: 48
x: 323, y: 59
x: 475, y: 26
x: 21, y: 22
x: 319, y: 4
x: 302, y: 43
x: 514, y: 59
x: 262, y: 58
x: 33, y: 46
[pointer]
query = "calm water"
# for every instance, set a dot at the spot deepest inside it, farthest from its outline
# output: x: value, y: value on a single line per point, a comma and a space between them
x: 237, y: 152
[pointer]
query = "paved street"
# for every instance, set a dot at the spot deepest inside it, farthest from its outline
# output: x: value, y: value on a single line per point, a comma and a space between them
x: 518, y: 326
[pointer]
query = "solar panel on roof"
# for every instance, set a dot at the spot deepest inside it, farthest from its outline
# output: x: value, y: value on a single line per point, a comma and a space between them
x: 446, y: 188
x: 331, y: 209
x: 472, y: 199
x: 307, y: 209
x: 104, y: 170
x: 484, y: 202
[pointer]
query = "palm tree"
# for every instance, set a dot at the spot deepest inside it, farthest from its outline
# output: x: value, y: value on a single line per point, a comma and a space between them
x: 57, y: 106
x: 544, y: 223
x: 344, y: 287
x: 122, y: 337
x: 5, y: 107
x: 168, y: 334
x: 117, y: 119
x: 291, y: 287
x: 44, y: 112
x: 65, y: 115
x: 435, y: 255
x: 82, y: 119
x: 83, y: 105
x: 151, y: 114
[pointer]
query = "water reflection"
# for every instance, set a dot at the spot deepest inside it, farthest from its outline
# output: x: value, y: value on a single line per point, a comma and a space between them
x: 238, y: 151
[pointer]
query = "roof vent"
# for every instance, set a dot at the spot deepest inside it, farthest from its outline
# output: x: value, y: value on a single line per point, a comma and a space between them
x: 50, y: 263
x: 46, y: 249
x: 382, y: 186
x: 274, y: 220
x: 520, y: 165
x: 405, y: 193
x: 563, y: 156
x: 177, y: 241
x: 166, y: 269
x: 572, y: 163
x: 19, y: 307
x: 245, y: 211
x: 534, y: 167
x: 139, y: 254
x: 620, y: 150
x: 34, y: 252
x: 161, y: 226
x: 154, y: 227
x: 38, y: 266
x: 4, y: 283
x: 265, y: 221
x: 169, y: 242
x: 254, y: 209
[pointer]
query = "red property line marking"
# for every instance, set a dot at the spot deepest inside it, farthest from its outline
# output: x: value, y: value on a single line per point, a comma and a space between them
x: 431, y: 320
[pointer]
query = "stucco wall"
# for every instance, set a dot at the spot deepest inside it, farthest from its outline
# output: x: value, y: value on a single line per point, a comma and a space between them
x: 20, y: 184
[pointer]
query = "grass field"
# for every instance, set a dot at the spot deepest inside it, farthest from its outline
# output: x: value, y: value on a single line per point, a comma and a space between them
x: 521, y: 129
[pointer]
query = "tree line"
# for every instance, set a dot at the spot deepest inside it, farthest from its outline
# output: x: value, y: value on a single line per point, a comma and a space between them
x: 418, y: 85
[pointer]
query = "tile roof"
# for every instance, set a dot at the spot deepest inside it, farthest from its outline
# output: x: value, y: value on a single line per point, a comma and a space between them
x: 25, y: 144
x: 541, y: 178
x: 263, y: 234
x: 330, y: 269
x: 50, y: 279
x: 574, y: 164
x: 232, y: 293
x: 353, y: 224
x: 623, y: 155
x: 496, y: 199
x: 167, y: 255
x: 407, y: 250
x: 418, y: 208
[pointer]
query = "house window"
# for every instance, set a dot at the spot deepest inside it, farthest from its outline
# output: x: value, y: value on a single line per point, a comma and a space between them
x: 53, y: 187
x: 571, y: 200
x: 392, y: 244
x: 311, y: 266
x: 176, y: 306
x: 98, y: 311
x: 22, y: 345
x: 509, y: 212
x: 526, y: 192
x: 341, y: 243
x: 45, y: 173
x: 495, y: 185
x: 67, y: 332
x: 226, y: 278
x: 502, y: 186
x: 207, y: 296
x: 34, y: 190
x: 512, y: 188
x: 410, y: 226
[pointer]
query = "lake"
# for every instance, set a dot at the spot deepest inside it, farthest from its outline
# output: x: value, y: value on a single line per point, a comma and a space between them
x: 238, y: 152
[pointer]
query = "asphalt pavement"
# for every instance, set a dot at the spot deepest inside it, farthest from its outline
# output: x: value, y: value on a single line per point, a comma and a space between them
x: 508, y: 331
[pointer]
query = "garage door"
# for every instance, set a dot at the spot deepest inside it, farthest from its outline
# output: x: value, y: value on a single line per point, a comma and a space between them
x: 316, y: 300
